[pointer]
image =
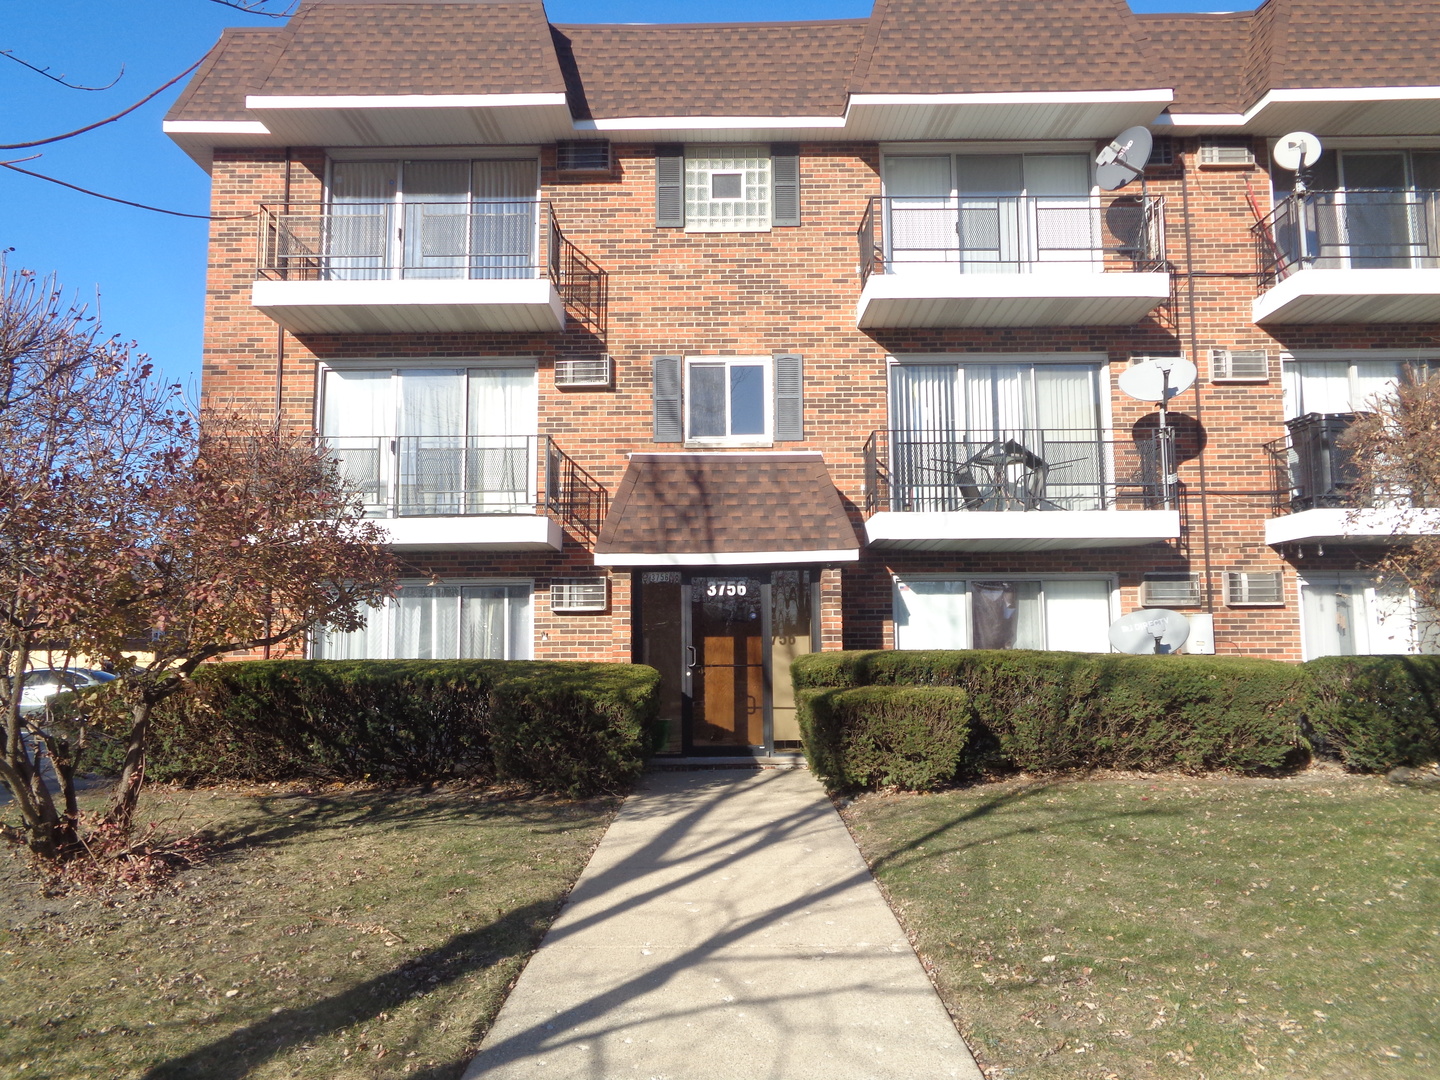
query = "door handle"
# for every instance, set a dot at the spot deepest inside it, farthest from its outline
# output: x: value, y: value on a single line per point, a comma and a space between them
x: 691, y: 658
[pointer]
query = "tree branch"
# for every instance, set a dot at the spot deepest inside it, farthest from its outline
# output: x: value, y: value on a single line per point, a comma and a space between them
x: 108, y: 119
x: 45, y: 71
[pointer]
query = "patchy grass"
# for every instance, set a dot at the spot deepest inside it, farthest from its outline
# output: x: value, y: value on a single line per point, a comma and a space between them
x: 1119, y: 928
x: 341, y: 934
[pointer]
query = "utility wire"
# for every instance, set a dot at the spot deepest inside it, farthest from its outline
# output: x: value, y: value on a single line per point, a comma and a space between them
x: 257, y: 7
x: 124, y: 202
x: 107, y: 120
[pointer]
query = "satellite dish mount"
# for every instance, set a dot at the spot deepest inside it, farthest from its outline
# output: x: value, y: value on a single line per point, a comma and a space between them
x: 1124, y: 159
x: 1150, y: 631
x: 1297, y: 153
x: 1158, y: 379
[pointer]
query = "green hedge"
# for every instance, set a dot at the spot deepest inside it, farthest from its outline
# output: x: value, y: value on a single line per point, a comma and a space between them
x: 1057, y: 710
x: 1376, y: 712
x: 885, y: 736
x: 566, y: 727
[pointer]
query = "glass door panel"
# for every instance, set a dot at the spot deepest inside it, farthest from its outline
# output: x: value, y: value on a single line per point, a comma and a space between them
x: 662, y: 631
x: 727, y: 661
x: 1377, y: 210
x: 920, y: 229
x: 790, y: 636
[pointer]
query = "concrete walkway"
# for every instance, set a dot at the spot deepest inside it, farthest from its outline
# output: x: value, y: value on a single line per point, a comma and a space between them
x: 725, y: 927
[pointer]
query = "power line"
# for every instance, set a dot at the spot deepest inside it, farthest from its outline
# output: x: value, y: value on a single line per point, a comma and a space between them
x: 124, y: 202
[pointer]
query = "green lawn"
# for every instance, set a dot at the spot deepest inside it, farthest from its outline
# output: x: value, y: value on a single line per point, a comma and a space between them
x: 1175, y: 927
x: 337, y: 935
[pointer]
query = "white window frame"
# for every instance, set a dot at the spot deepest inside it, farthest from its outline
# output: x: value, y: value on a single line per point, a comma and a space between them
x: 698, y: 176
x: 387, y: 613
x: 897, y: 581
x: 766, y: 438
x: 1290, y: 375
x: 1419, y: 637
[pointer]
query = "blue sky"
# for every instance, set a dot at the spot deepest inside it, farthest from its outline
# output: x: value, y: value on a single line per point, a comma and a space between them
x: 146, y: 271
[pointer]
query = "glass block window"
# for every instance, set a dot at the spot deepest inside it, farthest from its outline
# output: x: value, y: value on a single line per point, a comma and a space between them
x: 727, y: 189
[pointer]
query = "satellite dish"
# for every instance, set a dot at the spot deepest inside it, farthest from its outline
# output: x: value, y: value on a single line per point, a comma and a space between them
x: 1149, y: 631
x: 1296, y: 151
x: 1158, y: 379
x: 1124, y: 159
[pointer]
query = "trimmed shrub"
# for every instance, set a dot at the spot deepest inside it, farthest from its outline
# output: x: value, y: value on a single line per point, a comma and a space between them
x: 885, y: 736
x: 566, y: 727
x: 1376, y: 712
x: 1056, y: 710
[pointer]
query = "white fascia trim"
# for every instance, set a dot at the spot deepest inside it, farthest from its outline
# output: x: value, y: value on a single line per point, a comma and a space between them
x: 727, y: 558
x: 1201, y: 120
x: 1026, y: 97
x: 706, y: 123
x: 1338, y: 525
x: 214, y: 127
x: 401, y: 101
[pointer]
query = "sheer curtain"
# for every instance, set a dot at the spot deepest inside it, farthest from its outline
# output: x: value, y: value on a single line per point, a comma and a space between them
x: 431, y: 442
x: 357, y: 421
x: 921, y: 223
x: 437, y: 213
x: 931, y: 615
x: 359, y: 223
x: 502, y: 229
x: 1064, y: 225
x: 502, y: 455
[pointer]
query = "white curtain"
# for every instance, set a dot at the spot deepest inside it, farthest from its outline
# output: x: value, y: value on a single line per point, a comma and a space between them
x: 358, y: 226
x: 991, y: 211
x: 925, y: 436
x: 1334, y: 614
x: 367, y: 643
x: 1077, y: 614
x: 502, y: 229
x: 426, y: 623
x: 495, y: 622
x: 431, y: 426
x: 501, y: 457
x: 1065, y: 225
x: 357, y: 421
x: 931, y: 615
x: 920, y: 228
x: 437, y: 197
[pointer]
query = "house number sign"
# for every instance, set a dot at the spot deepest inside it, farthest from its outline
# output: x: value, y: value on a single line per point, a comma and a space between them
x: 727, y: 588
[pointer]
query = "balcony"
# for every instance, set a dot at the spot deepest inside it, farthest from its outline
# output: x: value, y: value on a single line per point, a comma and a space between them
x: 1022, y: 490
x: 1011, y: 260
x: 471, y: 492
x: 1317, y: 501
x: 495, y: 265
x: 1350, y: 257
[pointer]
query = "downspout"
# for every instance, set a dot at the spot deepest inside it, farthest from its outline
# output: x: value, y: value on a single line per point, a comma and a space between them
x: 1195, y: 359
x: 279, y: 372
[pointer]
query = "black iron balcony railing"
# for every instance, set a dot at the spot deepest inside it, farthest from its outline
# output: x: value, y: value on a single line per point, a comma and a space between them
x: 1348, y: 230
x: 1019, y: 470
x: 480, y: 239
x: 459, y: 475
x: 1013, y: 234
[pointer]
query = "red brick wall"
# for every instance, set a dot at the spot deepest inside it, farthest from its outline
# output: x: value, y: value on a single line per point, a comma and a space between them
x: 795, y: 289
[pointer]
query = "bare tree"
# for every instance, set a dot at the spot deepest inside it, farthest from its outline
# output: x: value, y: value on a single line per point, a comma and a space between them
x: 1395, y: 452
x: 124, y: 517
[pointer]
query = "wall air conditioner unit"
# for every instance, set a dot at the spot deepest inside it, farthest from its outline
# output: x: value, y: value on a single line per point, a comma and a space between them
x: 589, y: 594
x: 1239, y: 365
x: 1170, y: 590
x: 1226, y: 152
x: 1245, y: 588
x: 583, y: 156
x: 585, y: 374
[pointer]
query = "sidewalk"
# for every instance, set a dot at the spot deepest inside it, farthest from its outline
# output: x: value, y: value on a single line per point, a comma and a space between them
x: 725, y: 927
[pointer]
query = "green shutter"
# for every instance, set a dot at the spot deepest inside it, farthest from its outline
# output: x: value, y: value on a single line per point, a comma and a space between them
x: 669, y: 424
x: 785, y: 184
x: 670, y: 186
x: 789, y: 399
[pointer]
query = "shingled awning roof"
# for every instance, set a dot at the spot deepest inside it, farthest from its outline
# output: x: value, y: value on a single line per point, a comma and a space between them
x: 726, y: 509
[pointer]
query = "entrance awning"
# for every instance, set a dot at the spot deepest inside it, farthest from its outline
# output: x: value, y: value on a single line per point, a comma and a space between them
x: 726, y: 509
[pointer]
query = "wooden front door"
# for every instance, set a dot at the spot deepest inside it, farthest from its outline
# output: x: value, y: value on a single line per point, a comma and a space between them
x: 726, y: 656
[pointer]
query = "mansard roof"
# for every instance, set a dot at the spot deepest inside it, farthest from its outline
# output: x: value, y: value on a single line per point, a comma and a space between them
x: 1215, y: 63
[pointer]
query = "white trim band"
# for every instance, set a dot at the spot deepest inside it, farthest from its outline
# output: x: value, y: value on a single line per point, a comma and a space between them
x: 727, y: 558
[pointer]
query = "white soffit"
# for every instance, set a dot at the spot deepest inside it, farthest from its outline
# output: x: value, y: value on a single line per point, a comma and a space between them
x: 414, y: 119
x: 726, y: 558
x: 1329, y: 111
x: 1338, y: 526
x: 1052, y: 115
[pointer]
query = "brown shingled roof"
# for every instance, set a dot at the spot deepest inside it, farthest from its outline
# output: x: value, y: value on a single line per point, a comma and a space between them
x: 755, y: 69
x: 985, y: 46
x: 1316, y: 43
x: 726, y: 502
x: 236, y: 66
x: 1203, y: 57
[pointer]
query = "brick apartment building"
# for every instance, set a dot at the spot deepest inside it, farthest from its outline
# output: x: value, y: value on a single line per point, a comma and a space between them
x: 707, y: 345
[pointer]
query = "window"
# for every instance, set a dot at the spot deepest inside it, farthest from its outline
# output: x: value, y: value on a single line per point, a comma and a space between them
x: 729, y: 400
x: 981, y: 435
x: 1353, y: 615
x: 727, y: 188
x: 440, y: 622
x: 430, y: 440
x: 1347, y: 384
x: 1063, y: 613
x: 431, y: 219
x: 991, y: 213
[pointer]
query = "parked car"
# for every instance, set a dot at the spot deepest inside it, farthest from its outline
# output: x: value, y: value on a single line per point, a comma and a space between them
x: 44, y: 683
